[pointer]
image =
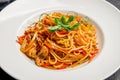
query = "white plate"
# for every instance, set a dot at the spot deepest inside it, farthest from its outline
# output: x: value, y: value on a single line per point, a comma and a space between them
x: 12, y: 61
x: 25, y: 6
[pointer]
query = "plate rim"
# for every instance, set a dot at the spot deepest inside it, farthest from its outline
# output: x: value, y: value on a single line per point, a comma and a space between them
x: 112, y: 6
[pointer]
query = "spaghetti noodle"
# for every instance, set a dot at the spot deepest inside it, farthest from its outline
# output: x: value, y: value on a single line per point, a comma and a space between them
x: 59, y: 41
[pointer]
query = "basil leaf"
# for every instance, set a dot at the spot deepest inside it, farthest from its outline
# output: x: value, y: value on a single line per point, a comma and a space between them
x: 71, y: 18
x: 66, y: 27
x: 57, y: 21
x: 63, y: 20
x: 54, y: 28
x: 75, y: 26
x: 63, y: 24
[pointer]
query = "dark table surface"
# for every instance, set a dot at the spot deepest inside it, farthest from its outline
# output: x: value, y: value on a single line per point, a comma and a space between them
x: 5, y: 76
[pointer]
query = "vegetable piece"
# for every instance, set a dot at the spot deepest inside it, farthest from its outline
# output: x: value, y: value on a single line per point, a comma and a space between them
x: 46, y: 64
x: 63, y: 32
x: 63, y: 24
x: 55, y: 28
x: 74, y: 26
x: 71, y: 18
x: 63, y: 20
x: 57, y: 21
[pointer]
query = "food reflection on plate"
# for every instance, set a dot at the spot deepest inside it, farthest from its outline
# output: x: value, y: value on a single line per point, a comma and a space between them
x: 59, y: 40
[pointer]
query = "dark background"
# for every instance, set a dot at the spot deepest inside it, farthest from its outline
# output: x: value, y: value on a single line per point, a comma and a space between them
x: 5, y: 76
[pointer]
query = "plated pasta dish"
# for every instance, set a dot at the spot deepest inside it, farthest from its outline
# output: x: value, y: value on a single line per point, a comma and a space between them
x: 59, y: 41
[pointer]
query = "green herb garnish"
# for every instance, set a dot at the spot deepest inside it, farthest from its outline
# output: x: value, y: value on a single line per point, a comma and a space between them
x: 63, y: 24
x: 71, y: 18
x: 55, y: 28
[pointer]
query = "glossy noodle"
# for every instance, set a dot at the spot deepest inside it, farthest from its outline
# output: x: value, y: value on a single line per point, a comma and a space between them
x: 58, y: 41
